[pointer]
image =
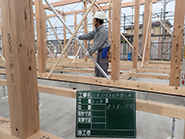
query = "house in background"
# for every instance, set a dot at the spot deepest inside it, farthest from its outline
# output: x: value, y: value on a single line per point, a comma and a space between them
x: 156, y: 30
x: 160, y: 48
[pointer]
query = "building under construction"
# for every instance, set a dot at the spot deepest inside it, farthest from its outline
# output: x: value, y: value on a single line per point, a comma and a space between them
x: 44, y: 70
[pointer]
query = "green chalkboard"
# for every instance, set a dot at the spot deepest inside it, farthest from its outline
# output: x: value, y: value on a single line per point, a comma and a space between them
x: 105, y: 114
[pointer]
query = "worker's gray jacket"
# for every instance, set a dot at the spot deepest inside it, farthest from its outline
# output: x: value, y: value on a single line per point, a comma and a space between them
x: 100, y: 36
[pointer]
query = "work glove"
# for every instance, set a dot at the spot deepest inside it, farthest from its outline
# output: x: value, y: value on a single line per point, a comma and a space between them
x: 86, y: 54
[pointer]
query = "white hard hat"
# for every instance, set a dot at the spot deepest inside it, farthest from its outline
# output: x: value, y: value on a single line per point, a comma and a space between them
x: 99, y: 15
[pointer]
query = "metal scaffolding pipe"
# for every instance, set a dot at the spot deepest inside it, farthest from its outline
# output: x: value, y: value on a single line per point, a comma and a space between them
x: 92, y: 59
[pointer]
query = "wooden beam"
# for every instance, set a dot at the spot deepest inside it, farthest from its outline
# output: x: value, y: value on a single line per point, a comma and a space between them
x: 64, y: 34
x: 94, y: 12
x: 5, y: 131
x: 77, y: 52
x: 141, y: 105
x: 177, y: 44
x: 161, y: 108
x: 55, y: 33
x: 60, y: 12
x: 159, y: 62
x: 133, y: 85
x: 3, y: 49
x: 153, y: 64
x: 68, y: 13
x: 147, y: 31
x: 57, y: 91
x: 129, y: 4
x: 115, y: 62
x: 148, y: 50
x: 4, y: 135
x: 110, y: 24
x: 51, y: 29
x: 19, y: 41
x: 150, y: 76
x: 123, y: 5
x: 61, y: 46
x: 75, y: 70
x: 136, y: 33
x: 75, y: 41
x: 70, y: 69
x: 184, y: 130
x: 5, y: 125
x: 75, y: 25
x: 125, y: 76
x: 61, y: 3
x: 157, y: 66
x: 85, y: 27
x: 1, y: 27
x: 41, y: 35
x: 66, y: 2
x: 43, y: 135
x: 154, y: 71
x: 44, y: 89
x: 145, y: 44
x: 162, y: 24
x: 124, y: 65
x: 83, y: 66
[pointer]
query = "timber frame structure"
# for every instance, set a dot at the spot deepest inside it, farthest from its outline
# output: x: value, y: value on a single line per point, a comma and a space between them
x: 21, y: 63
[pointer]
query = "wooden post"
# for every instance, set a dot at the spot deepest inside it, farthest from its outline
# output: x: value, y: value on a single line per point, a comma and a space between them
x: 19, y: 41
x: 147, y: 13
x: 110, y: 24
x: 145, y: 43
x: 136, y: 34
x: 115, y: 65
x: 75, y: 25
x: 2, y: 53
x: 85, y: 26
x: 3, y: 49
x: 41, y: 35
x: 51, y: 53
x: 177, y: 44
x: 2, y: 36
x: 94, y: 12
x: 184, y: 130
x: 64, y: 28
x: 149, y: 33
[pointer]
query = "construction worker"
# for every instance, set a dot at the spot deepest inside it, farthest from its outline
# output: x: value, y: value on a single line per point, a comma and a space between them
x: 101, y: 44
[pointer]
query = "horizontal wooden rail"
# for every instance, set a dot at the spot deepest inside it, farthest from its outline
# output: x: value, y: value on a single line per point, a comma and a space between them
x: 132, y: 85
x: 90, y: 70
x: 141, y: 105
x: 150, y: 76
x: 4, y: 135
x: 66, y: 2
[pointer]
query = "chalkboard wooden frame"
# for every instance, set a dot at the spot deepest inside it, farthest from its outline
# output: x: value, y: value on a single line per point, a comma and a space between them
x: 106, y: 114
